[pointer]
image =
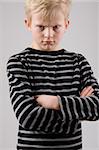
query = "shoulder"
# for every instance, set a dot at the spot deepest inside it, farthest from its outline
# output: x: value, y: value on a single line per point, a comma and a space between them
x: 78, y: 58
x: 21, y: 56
x: 74, y: 55
x: 17, y: 60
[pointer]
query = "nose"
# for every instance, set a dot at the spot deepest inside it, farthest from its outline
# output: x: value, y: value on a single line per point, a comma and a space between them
x: 48, y: 32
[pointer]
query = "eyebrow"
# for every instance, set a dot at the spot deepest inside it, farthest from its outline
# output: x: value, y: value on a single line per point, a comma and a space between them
x: 46, y: 25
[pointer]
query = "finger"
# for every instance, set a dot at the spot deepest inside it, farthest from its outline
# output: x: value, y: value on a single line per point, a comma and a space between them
x: 90, y: 92
x: 83, y: 91
x: 86, y: 91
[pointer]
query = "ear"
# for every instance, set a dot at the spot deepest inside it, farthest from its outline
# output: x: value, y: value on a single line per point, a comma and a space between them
x: 27, y: 23
x: 67, y: 22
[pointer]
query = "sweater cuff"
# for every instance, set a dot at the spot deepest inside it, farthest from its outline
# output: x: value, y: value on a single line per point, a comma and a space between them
x: 61, y: 112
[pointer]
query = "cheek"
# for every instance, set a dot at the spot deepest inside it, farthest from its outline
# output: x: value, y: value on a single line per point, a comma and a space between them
x: 59, y: 36
x: 35, y: 34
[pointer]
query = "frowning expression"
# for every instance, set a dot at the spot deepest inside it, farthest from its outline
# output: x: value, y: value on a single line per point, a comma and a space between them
x: 47, y: 34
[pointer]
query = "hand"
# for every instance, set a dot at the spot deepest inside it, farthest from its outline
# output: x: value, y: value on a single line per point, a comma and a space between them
x: 87, y: 91
x: 48, y: 101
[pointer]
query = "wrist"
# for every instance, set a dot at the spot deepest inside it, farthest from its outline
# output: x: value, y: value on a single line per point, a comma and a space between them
x: 59, y: 99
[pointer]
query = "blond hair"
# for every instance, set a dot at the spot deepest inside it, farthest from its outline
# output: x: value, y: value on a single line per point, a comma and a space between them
x: 47, y: 8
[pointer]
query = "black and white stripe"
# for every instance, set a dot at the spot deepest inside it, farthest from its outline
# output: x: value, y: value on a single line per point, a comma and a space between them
x: 61, y: 73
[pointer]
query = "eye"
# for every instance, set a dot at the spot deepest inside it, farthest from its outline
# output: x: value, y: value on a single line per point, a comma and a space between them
x: 41, y: 28
x: 56, y: 28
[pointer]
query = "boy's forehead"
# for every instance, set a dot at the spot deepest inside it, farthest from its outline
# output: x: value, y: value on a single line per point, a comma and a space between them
x: 38, y: 19
x: 51, y: 22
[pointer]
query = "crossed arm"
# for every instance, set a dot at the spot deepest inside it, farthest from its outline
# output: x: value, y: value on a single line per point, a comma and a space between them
x: 52, y: 102
x: 32, y: 113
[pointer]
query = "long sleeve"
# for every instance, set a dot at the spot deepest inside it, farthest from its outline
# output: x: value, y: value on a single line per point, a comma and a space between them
x: 30, y: 115
x: 82, y: 108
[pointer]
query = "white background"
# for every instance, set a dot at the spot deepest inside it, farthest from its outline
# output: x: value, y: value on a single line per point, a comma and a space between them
x: 82, y: 36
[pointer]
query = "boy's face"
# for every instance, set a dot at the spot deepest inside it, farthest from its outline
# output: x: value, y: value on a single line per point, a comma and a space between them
x: 47, y: 35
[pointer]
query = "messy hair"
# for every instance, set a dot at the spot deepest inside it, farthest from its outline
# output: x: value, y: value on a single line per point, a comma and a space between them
x: 47, y: 8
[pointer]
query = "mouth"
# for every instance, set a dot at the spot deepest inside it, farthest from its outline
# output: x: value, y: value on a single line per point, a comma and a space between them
x: 48, y: 42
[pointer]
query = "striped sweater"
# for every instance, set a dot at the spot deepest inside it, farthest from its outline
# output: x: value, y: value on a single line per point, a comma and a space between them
x: 64, y: 74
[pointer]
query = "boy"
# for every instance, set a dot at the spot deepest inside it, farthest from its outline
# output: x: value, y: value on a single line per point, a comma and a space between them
x: 51, y: 90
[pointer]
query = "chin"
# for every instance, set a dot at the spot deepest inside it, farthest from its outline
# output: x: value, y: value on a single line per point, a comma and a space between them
x: 48, y: 47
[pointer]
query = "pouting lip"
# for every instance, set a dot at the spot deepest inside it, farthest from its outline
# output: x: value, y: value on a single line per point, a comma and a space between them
x: 47, y: 41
